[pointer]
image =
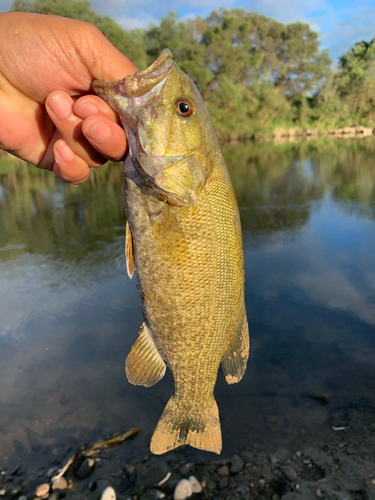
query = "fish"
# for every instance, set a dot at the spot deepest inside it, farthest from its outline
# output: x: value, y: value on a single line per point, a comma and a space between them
x: 184, y: 244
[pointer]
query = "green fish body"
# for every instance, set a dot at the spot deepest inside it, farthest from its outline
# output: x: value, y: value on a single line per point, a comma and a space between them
x: 184, y: 243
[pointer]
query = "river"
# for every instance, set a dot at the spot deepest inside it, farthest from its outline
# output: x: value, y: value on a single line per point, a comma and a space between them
x: 69, y: 314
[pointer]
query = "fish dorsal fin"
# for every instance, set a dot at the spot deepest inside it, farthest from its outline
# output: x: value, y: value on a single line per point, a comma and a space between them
x: 235, y: 359
x: 144, y: 365
x: 130, y: 266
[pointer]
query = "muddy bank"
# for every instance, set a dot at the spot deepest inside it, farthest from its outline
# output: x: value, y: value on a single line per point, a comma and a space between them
x: 343, y: 468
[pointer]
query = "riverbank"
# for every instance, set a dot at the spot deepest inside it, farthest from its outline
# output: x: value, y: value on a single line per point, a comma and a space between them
x: 299, y: 133
x: 337, y: 469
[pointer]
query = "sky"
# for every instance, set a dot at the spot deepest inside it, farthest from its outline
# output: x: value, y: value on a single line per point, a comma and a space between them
x: 340, y: 23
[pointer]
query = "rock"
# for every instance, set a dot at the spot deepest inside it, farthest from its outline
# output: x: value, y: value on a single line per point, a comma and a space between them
x: 282, y: 455
x: 22, y: 497
x: 195, y: 484
x: 211, y: 485
x: 55, y: 496
x: 237, y: 464
x: 185, y: 469
x: 289, y: 473
x: 86, y: 468
x: 261, y: 483
x: 93, y: 485
x: 223, y: 471
x: 151, y: 473
x: 223, y: 483
x: 3, y: 492
x: 42, y: 490
x: 152, y: 495
x: 319, y: 493
x: 242, y: 488
x: 51, y: 472
x: 247, y: 456
x: 16, y: 491
x: 108, y: 494
x: 59, y: 484
x: 183, y: 490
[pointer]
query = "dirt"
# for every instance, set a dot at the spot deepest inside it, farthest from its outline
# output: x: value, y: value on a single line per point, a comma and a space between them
x: 342, y: 468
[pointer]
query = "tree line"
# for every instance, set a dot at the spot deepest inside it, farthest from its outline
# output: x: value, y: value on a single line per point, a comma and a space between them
x: 254, y: 73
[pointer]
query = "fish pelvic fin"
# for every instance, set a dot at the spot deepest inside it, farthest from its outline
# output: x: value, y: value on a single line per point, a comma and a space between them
x: 144, y: 365
x: 176, y: 427
x: 129, y: 253
x: 235, y: 359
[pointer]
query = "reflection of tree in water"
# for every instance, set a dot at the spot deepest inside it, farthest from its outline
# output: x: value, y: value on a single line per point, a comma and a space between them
x: 39, y: 214
x: 274, y: 184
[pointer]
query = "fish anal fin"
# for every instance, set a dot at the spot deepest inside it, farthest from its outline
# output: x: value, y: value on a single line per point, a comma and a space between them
x: 130, y: 266
x: 176, y: 428
x: 235, y: 359
x: 144, y: 365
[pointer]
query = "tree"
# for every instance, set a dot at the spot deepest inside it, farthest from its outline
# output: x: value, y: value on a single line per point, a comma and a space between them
x: 355, y: 79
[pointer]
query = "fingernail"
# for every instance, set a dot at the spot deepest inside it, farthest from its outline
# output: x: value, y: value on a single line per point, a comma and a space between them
x: 100, y: 132
x: 86, y: 109
x: 61, y: 105
x: 63, y: 152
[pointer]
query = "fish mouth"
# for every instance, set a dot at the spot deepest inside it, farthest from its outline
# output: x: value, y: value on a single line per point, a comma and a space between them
x: 140, y: 83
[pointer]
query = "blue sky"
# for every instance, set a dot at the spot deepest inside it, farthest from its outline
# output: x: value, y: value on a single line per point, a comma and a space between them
x: 339, y: 23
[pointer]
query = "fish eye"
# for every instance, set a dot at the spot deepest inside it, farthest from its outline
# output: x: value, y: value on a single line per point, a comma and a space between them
x: 184, y: 107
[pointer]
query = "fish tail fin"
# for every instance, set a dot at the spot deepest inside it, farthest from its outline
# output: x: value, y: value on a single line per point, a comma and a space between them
x: 200, y: 430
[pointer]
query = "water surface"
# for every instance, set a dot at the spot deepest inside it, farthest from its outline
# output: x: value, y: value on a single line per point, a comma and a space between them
x: 69, y: 314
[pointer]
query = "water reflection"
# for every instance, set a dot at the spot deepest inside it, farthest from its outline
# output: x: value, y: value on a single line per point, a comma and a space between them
x: 69, y: 314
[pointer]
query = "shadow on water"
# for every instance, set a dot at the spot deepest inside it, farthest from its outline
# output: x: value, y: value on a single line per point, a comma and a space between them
x: 69, y: 314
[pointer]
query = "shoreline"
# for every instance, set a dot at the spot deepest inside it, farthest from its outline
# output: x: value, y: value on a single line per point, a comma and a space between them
x: 340, y: 468
x: 281, y: 134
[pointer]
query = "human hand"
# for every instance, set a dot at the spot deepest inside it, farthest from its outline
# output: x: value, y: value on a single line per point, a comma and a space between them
x: 46, y: 64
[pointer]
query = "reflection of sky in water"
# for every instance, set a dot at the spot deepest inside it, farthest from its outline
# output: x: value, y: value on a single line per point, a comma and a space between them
x: 67, y: 323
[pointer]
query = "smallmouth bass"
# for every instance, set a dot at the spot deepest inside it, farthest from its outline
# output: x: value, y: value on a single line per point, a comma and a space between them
x: 184, y: 243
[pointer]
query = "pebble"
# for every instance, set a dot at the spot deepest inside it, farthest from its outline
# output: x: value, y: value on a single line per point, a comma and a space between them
x: 237, y: 464
x: 185, y: 469
x: 2, y: 492
x: 51, y: 472
x: 152, y: 495
x: 151, y: 473
x: 42, y: 490
x: 248, y: 456
x: 223, y: 483
x: 223, y: 471
x: 195, y: 484
x: 22, y: 497
x: 86, y: 468
x: 262, y: 483
x: 183, y: 490
x: 59, y: 484
x: 289, y: 473
x: 108, y: 494
x: 242, y: 488
x: 16, y: 491
x: 319, y: 493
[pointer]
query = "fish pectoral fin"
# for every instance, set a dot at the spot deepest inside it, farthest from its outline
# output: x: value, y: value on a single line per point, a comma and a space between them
x: 235, y: 359
x: 144, y: 365
x: 130, y: 266
x: 177, y: 427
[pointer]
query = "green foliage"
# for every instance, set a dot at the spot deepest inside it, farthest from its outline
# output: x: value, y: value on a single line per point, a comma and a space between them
x: 355, y: 79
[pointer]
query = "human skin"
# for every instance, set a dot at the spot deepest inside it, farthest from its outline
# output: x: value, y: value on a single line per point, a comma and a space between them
x: 48, y: 115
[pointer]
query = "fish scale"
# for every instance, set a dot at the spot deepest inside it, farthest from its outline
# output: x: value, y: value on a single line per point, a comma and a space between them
x: 184, y: 244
